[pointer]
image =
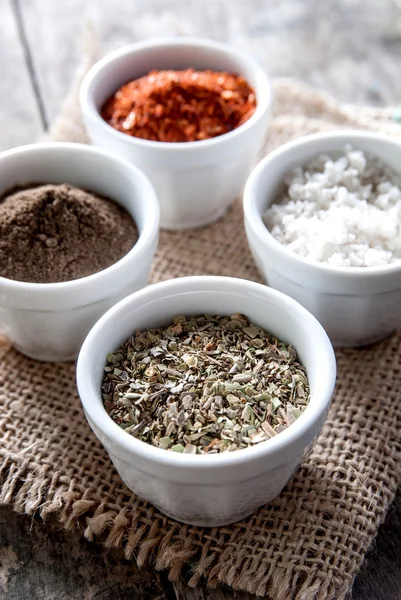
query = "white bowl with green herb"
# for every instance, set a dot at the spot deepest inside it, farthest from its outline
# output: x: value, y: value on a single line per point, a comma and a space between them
x: 204, y: 353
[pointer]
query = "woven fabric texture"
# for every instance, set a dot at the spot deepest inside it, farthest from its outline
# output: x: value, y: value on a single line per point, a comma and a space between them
x: 306, y: 544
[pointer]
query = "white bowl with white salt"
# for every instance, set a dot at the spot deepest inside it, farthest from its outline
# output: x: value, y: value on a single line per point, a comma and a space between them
x: 323, y: 221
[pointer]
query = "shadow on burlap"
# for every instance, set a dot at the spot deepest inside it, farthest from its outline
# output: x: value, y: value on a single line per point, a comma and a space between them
x: 306, y: 544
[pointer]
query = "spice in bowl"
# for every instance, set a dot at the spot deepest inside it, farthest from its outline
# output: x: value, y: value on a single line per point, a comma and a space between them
x: 204, y: 385
x: 180, y: 106
x: 56, y: 232
x: 343, y: 210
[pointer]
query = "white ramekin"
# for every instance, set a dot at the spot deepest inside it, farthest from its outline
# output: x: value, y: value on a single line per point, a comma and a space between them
x: 50, y: 321
x: 208, y: 490
x: 356, y: 306
x: 195, y: 182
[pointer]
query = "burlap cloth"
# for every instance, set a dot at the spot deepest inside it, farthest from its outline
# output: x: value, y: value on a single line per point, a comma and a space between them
x: 306, y: 544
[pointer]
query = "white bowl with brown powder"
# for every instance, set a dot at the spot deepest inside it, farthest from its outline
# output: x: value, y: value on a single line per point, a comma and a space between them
x: 78, y: 231
x: 322, y: 217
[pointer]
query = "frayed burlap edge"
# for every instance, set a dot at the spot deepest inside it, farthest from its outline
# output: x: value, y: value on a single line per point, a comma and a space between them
x: 27, y: 491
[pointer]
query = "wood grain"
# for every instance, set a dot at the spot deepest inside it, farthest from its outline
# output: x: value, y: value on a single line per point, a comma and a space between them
x: 183, y: 592
x: 380, y: 576
x: 348, y: 47
x: 19, y: 117
x: 39, y: 562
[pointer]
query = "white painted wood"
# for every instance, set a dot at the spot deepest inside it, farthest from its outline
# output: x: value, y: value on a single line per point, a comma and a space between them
x: 349, y: 48
x: 19, y: 116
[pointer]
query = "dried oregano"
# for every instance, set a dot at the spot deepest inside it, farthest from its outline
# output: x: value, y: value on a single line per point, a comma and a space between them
x: 204, y: 385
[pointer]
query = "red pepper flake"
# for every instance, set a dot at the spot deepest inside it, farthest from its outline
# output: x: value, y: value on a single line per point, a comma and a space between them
x: 180, y: 106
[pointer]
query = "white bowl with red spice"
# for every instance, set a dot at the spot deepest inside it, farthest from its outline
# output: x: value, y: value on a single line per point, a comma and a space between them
x: 195, y: 181
x: 208, y: 489
x: 356, y: 305
x: 49, y: 321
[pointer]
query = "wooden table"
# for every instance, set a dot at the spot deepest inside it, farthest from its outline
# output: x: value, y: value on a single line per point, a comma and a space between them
x: 350, y: 48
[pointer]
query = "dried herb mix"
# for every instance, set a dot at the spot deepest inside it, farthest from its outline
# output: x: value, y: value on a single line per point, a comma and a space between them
x: 52, y: 233
x: 180, y: 106
x: 204, y: 385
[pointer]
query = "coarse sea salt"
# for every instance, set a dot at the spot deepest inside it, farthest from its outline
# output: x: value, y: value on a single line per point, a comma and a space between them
x: 343, y: 210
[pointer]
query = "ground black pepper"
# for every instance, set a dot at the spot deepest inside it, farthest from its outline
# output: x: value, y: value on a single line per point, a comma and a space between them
x: 51, y: 233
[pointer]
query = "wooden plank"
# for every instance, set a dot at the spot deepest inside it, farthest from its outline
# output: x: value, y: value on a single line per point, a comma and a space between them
x: 53, y: 33
x: 183, y: 592
x: 347, y: 48
x: 19, y: 117
x: 39, y: 562
x: 380, y: 575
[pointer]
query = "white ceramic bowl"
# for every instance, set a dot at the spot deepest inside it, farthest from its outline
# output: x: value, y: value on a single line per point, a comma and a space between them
x: 195, y: 182
x: 208, y: 490
x: 50, y: 321
x: 356, y: 305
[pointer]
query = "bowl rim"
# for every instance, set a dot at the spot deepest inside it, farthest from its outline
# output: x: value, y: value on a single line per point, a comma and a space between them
x: 94, y: 75
x: 145, y: 237
x: 93, y: 405
x: 254, y: 219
